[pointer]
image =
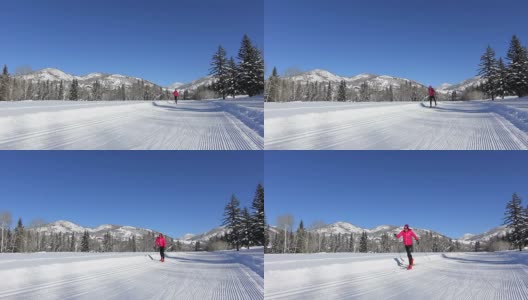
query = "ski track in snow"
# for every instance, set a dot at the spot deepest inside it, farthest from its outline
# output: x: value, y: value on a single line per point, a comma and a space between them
x: 204, y: 275
x: 369, y: 276
x: 475, y: 125
x: 159, y: 125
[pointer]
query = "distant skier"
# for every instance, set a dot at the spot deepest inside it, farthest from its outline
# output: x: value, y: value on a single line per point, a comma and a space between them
x: 432, y: 96
x: 161, y: 243
x: 176, y: 94
x: 408, y: 235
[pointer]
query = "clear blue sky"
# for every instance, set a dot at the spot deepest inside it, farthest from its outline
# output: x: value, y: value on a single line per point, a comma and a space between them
x: 429, y: 41
x: 162, y: 41
x: 175, y: 192
x: 452, y: 192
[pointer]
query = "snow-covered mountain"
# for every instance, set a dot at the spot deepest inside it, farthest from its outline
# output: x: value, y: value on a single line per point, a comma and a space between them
x: 378, y: 81
x: 486, y: 236
x: 373, y: 233
x: 215, y: 232
x: 447, y: 88
x: 107, y: 80
x: 117, y: 231
x: 192, y: 86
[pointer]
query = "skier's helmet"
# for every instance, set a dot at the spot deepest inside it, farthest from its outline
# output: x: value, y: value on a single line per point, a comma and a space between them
x: 406, y: 226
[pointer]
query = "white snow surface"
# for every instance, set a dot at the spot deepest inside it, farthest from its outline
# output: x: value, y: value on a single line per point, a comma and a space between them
x: 501, y: 275
x: 473, y: 125
x: 133, y: 125
x: 183, y: 275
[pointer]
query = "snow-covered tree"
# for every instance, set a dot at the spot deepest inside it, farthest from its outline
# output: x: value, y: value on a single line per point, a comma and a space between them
x: 232, y: 78
x: 219, y: 70
x: 4, y: 84
x: 516, y: 219
x: 246, y: 226
x: 251, y: 68
x: 258, y: 217
x: 363, y: 242
x: 85, y: 242
x: 5, y: 223
x: 19, y: 237
x: 97, y: 91
x: 502, y: 79
x: 518, y: 67
x: 61, y: 91
x: 232, y: 222
x: 341, y: 91
x: 329, y: 92
x: 74, y: 90
x: 488, y: 71
x: 272, y: 87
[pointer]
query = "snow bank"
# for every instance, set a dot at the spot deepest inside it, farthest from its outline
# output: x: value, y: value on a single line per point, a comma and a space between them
x: 249, y: 110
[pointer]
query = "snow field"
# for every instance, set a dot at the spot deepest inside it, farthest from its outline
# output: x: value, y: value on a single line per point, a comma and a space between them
x: 475, y: 125
x: 130, y: 125
x: 201, y: 275
x: 377, y: 276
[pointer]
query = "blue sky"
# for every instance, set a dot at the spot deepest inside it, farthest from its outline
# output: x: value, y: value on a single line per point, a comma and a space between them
x: 452, y: 192
x: 175, y: 192
x: 160, y: 40
x: 428, y: 41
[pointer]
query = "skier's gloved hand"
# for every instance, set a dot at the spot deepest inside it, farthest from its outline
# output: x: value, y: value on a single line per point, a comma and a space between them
x: 418, y: 242
x: 395, y: 235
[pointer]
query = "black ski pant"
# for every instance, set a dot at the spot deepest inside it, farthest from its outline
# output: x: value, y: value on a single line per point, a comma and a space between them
x: 409, y: 249
x: 431, y: 98
x: 176, y: 99
x: 162, y: 252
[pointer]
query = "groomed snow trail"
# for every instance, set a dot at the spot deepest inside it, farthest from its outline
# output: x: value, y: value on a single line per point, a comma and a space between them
x: 377, y: 276
x: 132, y: 125
x: 475, y: 125
x: 212, y: 275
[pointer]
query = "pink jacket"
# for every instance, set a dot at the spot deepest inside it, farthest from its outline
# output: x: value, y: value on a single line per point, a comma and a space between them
x: 160, y: 241
x: 407, y: 237
x: 432, y: 92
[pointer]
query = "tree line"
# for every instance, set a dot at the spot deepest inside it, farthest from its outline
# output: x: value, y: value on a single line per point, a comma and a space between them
x: 245, y: 76
x: 505, y: 78
x: 245, y: 228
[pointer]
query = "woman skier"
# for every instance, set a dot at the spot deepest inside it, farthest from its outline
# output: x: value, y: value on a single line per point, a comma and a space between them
x: 176, y: 94
x: 408, y: 235
x: 432, y: 96
x: 161, y: 243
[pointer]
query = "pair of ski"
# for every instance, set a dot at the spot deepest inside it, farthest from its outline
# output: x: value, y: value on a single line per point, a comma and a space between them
x: 402, y: 264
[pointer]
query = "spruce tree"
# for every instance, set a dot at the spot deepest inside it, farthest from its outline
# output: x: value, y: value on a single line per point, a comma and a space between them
x: 232, y: 222
x: 502, y: 79
x: 219, y: 70
x: 488, y: 71
x: 515, y: 219
x: 363, y: 242
x: 329, y: 92
x: 517, y: 68
x: 300, y: 238
x: 341, y: 92
x: 72, y: 242
x: 251, y: 68
x: 85, y: 242
x: 61, y: 91
x: 4, y: 85
x: 18, y: 245
x: 246, y: 226
x: 273, y: 88
x: 258, y: 217
x: 74, y: 90
x: 232, y: 78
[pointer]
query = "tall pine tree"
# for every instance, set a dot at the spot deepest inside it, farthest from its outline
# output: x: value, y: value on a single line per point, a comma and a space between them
x: 251, y: 68
x: 341, y: 92
x: 517, y: 68
x: 232, y: 222
x: 232, y: 78
x: 85, y: 242
x: 4, y: 84
x: 258, y: 216
x: 74, y: 90
x: 18, y: 245
x: 515, y: 219
x: 220, y: 71
x: 488, y: 71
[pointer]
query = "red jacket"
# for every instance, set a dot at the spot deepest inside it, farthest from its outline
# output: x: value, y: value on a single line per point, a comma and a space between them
x: 431, y: 92
x: 407, y: 237
x: 175, y: 93
x: 160, y: 241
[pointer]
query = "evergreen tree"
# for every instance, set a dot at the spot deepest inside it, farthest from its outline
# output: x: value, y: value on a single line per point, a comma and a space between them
x: 300, y: 238
x: 502, y: 79
x: 74, y: 90
x: 515, y: 219
x: 220, y: 71
x: 363, y: 242
x: 97, y: 92
x: 246, y: 226
x: 85, y: 242
x: 232, y: 222
x: 251, y: 68
x: 197, y: 246
x: 107, y: 242
x: 258, y: 217
x: 518, y: 68
x: 186, y: 95
x: 61, y: 91
x: 232, y: 75
x: 329, y: 92
x: 72, y: 242
x: 488, y: 71
x: 122, y: 92
x: 273, y: 87
x: 477, y: 246
x: 4, y: 85
x: 341, y: 92
x: 18, y: 245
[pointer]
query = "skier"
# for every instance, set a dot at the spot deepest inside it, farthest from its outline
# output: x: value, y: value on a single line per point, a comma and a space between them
x: 432, y: 96
x: 408, y: 234
x: 176, y: 94
x: 161, y: 243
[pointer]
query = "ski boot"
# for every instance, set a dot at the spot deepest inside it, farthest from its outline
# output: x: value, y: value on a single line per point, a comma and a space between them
x: 409, y: 267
